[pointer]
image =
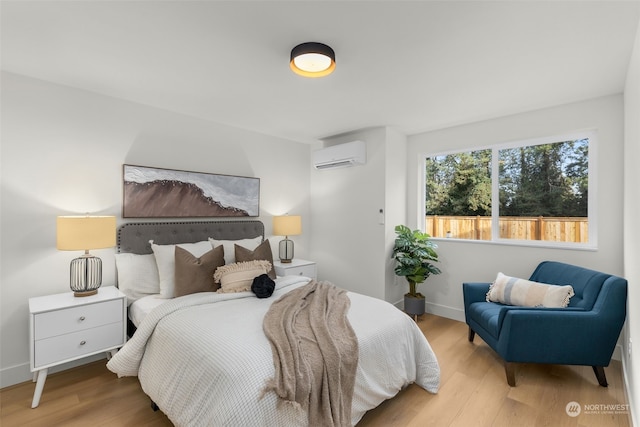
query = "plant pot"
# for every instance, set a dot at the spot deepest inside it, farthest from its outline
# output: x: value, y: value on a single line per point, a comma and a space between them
x: 414, y: 306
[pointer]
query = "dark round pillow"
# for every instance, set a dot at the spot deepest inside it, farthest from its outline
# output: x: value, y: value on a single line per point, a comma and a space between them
x: 263, y: 286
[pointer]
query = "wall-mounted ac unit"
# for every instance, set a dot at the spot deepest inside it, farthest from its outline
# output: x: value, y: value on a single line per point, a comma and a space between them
x: 341, y: 155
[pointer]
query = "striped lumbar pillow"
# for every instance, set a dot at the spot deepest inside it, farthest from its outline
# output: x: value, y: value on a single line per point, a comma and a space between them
x: 514, y: 291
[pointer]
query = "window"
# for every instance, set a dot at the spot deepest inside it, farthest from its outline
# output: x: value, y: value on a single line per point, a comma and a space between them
x: 527, y: 191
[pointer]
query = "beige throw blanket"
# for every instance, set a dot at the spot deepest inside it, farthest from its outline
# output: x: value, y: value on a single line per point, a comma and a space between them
x: 315, y: 352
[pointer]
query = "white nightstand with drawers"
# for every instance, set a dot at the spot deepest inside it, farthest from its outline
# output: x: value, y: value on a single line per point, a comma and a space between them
x: 63, y: 328
x: 297, y: 267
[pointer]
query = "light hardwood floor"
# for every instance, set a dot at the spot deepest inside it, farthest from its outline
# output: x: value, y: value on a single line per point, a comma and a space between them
x: 473, y: 392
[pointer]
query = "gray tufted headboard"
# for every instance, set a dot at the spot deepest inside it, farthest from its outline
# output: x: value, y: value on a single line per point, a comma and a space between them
x: 134, y: 237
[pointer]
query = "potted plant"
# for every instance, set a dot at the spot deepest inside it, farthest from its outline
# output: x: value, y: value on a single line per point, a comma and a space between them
x: 414, y: 252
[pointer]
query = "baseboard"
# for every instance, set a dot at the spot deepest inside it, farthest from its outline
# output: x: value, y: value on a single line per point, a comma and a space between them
x: 617, y: 353
x: 21, y: 373
x: 439, y: 310
x: 628, y: 394
x: 445, y: 311
x: 15, y: 375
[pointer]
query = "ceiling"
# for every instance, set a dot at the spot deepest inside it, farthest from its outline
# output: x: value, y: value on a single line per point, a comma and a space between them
x: 412, y: 65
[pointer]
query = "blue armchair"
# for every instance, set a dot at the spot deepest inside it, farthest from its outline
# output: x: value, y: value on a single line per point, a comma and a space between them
x: 584, y: 333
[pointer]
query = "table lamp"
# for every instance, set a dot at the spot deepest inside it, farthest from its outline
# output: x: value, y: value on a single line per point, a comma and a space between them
x: 286, y: 225
x: 76, y: 233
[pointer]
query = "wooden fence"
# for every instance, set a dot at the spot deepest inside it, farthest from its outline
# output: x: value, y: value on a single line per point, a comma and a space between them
x: 553, y: 229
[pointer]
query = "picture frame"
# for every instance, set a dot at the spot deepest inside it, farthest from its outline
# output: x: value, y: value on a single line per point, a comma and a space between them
x: 150, y: 192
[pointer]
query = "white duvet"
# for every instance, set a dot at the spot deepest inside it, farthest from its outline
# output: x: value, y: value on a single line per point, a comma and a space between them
x: 204, y: 358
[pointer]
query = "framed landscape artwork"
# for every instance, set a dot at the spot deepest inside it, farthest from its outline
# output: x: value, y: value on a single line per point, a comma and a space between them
x: 166, y: 193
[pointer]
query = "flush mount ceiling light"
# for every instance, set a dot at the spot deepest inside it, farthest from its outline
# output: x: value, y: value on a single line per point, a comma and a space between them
x: 313, y: 59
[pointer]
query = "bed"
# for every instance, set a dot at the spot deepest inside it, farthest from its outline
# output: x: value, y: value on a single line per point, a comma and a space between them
x: 204, y: 359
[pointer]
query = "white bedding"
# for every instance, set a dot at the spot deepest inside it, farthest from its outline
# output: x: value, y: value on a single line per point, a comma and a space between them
x: 139, y: 309
x: 204, y: 358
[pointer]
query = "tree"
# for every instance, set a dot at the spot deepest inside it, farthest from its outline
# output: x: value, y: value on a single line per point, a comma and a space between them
x: 547, y: 180
x: 459, y: 184
x: 536, y: 180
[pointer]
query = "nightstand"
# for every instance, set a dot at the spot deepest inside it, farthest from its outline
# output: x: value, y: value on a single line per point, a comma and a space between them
x: 297, y: 267
x: 63, y: 328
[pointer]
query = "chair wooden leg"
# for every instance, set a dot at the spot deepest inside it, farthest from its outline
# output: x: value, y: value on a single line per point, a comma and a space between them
x: 509, y: 370
x: 602, y: 378
x: 471, y: 335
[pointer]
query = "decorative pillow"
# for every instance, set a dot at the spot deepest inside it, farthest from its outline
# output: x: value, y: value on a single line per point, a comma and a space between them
x: 514, y: 291
x: 137, y: 275
x: 166, y: 260
x: 229, y: 253
x: 263, y: 286
x: 195, y: 274
x: 262, y: 251
x: 239, y: 277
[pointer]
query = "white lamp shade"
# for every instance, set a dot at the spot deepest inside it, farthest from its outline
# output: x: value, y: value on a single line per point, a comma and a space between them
x: 76, y: 233
x: 287, y: 225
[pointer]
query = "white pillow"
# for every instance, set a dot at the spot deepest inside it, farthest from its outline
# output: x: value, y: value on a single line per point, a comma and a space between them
x: 137, y: 275
x: 166, y: 261
x: 230, y: 250
x: 514, y: 291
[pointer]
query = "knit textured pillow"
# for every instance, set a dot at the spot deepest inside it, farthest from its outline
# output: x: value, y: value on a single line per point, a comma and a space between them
x: 238, y: 277
x: 514, y: 291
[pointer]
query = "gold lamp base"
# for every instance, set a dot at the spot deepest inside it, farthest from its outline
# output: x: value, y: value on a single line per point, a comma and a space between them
x: 85, y: 293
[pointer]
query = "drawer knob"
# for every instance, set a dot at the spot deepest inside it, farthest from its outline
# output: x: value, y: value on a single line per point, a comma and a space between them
x: 83, y: 342
x: 82, y: 318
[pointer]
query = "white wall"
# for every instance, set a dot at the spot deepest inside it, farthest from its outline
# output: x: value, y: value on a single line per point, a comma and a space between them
x: 62, y: 153
x: 631, y: 352
x: 395, y: 210
x: 347, y: 239
x: 477, y: 261
x: 350, y: 242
